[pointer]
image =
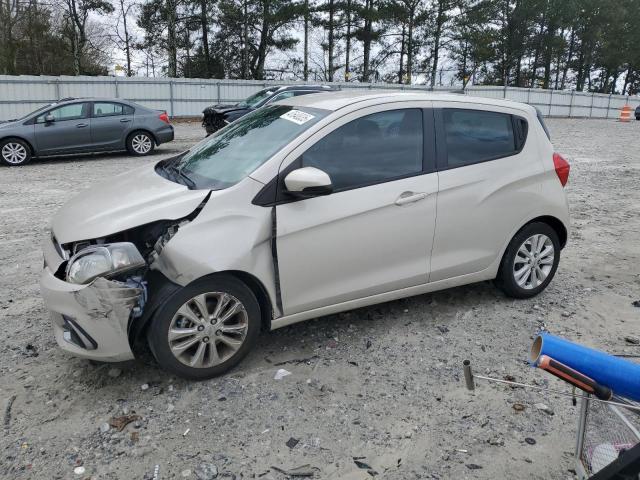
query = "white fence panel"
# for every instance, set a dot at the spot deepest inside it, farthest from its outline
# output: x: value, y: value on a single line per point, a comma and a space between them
x: 20, y: 95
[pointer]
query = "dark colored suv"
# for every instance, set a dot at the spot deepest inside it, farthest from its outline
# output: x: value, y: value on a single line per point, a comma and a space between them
x: 217, y: 116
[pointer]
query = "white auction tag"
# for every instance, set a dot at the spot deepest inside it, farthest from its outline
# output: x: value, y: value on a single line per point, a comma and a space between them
x: 296, y: 116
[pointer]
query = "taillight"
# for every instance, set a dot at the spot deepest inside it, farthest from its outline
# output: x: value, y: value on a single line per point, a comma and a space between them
x: 562, y: 168
x: 164, y: 117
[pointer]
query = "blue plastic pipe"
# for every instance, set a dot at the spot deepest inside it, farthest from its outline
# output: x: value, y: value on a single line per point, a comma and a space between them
x: 621, y: 376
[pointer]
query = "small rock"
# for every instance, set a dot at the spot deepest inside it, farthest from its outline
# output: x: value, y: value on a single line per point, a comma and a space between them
x: 544, y: 408
x: 114, y: 372
x: 518, y: 407
x: 530, y: 441
x: 206, y: 471
x: 144, y: 386
x: 170, y: 408
x: 79, y: 470
x: 185, y: 473
x: 105, y: 427
x: 473, y: 466
x: 632, y: 340
x: 636, y: 303
x: 566, y: 314
x: 443, y: 329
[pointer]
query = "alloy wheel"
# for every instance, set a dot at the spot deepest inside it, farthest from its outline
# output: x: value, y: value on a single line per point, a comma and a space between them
x: 534, y: 261
x: 141, y: 143
x: 208, y: 329
x: 14, y: 153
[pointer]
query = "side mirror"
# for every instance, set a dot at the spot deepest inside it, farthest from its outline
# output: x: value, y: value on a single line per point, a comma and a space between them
x: 48, y: 118
x: 308, y: 182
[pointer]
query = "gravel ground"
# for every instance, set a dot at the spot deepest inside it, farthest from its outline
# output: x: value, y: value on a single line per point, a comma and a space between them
x: 382, y: 384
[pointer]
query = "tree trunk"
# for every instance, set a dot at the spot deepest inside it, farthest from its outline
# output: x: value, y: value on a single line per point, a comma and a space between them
x: 436, y: 41
x: 258, y: 73
x: 401, y: 69
x: 410, y: 46
x: 572, y: 39
x: 306, y: 41
x: 245, y: 39
x: 347, y: 73
x: 331, y: 40
x: 204, y: 25
x: 172, y: 41
x: 367, y: 40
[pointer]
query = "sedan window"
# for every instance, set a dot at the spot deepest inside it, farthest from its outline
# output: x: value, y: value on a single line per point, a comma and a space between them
x: 108, y: 109
x: 72, y: 111
x: 372, y: 149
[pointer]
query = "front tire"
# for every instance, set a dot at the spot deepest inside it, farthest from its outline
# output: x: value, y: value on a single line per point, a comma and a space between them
x: 205, y: 328
x: 140, y: 143
x: 14, y: 152
x: 530, y: 261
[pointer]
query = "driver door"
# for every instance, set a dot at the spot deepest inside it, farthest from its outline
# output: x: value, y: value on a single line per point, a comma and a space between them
x: 374, y: 233
x: 69, y: 132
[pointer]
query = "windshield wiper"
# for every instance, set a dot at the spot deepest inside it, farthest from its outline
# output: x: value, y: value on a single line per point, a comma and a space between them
x: 177, y: 173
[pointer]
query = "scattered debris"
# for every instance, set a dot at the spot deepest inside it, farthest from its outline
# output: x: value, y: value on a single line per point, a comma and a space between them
x: 295, y: 361
x: 632, y: 340
x: 473, y: 466
x: 443, y: 329
x: 292, y: 442
x: 185, y: 473
x: 519, y: 407
x: 79, y: 470
x: 185, y: 432
x: 105, y: 427
x: 368, y: 344
x: 281, y: 373
x: 530, y: 441
x: 135, y: 436
x: 301, y: 471
x: 636, y: 303
x: 144, y: 386
x: 364, y: 466
x: 120, y: 422
x: 30, y: 350
x: 7, y: 411
x: 206, y: 471
x: 544, y: 408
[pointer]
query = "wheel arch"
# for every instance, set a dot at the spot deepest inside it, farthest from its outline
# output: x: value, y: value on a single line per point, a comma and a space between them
x: 555, y: 223
x: 143, y: 130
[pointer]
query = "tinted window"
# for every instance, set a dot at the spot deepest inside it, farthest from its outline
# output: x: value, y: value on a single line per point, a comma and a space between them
x: 371, y: 149
x: 282, y: 96
x: 73, y: 111
x: 473, y: 136
x: 107, y: 109
x: 238, y: 149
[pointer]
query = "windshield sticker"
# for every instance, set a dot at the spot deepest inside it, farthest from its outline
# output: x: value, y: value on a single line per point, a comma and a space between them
x: 296, y: 116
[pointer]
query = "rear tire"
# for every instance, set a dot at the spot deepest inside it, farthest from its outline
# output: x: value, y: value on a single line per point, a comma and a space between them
x: 14, y: 152
x: 140, y: 143
x: 205, y: 328
x: 530, y: 261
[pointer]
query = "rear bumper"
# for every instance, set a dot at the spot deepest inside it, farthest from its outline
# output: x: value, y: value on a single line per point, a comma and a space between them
x: 165, y: 134
x: 89, y: 321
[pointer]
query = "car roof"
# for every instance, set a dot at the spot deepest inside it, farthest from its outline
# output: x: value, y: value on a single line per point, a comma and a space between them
x: 320, y: 88
x: 340, y: 99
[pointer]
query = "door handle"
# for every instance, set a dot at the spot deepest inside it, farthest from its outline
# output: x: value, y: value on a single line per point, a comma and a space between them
x: 410, y: 197
x: 82, y: 125
x: 125, y: 120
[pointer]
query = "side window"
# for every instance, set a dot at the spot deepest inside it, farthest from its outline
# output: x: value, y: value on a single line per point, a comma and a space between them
x: 372, y: 149
x: 474, y: 136
x: 73, y: 111
x: 108, y: 109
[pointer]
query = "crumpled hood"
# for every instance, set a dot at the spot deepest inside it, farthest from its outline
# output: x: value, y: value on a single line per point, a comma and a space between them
x: 223, y: 109
x: 128, y: 200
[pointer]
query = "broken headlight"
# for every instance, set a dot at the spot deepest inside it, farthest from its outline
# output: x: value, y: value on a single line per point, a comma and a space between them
x: 103, y: 260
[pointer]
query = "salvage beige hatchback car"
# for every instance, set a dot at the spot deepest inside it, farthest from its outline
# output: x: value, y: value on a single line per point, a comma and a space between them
x: 307, y: 207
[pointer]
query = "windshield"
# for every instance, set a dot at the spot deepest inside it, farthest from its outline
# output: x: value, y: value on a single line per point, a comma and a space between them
x: 35, y: 111
x: 257, y: 98
x: 237, y: 150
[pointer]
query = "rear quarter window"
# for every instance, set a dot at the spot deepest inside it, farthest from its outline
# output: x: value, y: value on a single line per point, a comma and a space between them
x: 474, y: 136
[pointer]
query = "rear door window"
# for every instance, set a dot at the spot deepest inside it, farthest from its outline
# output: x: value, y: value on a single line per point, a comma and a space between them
x: 474, y: 136
x: 109, y: 109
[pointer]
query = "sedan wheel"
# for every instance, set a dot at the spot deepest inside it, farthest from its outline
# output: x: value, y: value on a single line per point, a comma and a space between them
x: 15, y: 152
x: 205, y: 328
x: 208, y: 329
x: 140, y: 143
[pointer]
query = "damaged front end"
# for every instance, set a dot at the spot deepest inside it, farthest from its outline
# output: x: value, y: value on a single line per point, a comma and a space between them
x: 101, y: 292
